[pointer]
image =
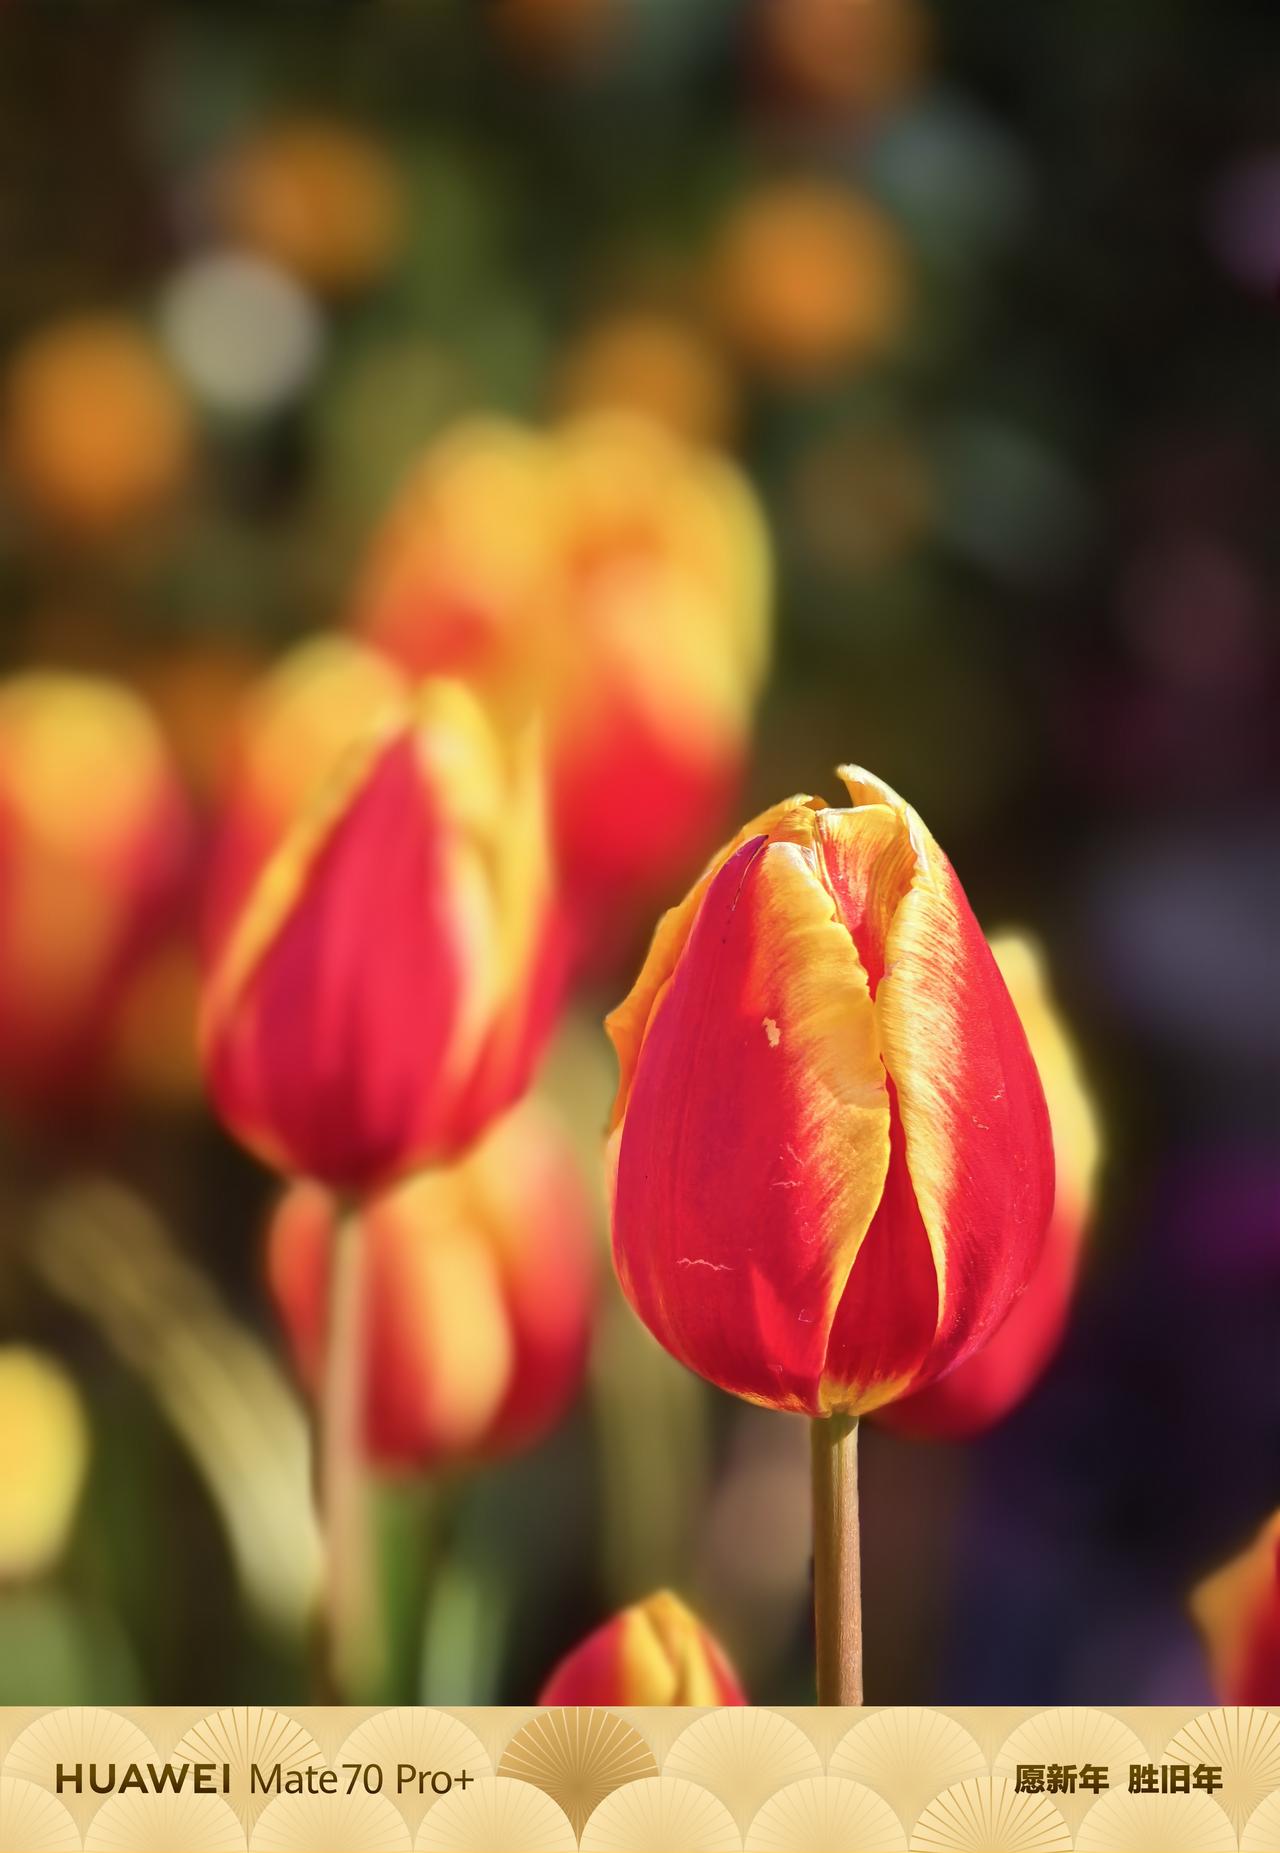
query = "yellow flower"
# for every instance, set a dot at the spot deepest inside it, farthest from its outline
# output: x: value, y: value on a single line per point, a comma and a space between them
x: 44, y: 1450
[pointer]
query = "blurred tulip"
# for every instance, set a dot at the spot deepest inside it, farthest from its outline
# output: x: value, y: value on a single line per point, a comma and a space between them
x: 1237, y: 1610
x: 655, y: 1653
x: 94, y: 859
x: 290, y: 731
x: 832, y: 1170
x: 655, y: 365
x: 44, y: 1450
x: 808, y: 277
x: 319, y: 198
x: 865, y: 56
x: 95, y: 429
x: 995, y: 1378
x: 619, y: 577
x: 382, y: 995
x: 478, y: 1286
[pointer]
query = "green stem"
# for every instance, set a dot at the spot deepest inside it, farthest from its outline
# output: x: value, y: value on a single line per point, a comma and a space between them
x: 349, y: 1625
x: 837, y: 1566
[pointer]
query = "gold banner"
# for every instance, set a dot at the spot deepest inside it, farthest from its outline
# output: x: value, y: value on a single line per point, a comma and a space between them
x: 501, y: 1780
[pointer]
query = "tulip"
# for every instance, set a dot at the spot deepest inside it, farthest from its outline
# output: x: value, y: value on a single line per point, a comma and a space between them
x: 655, y: 1653
x: 830, y: 1152
x: 618, y: 577
x: 1237, y: 1610
x: 44, y: 1447
x: 290, y: 730
x: 477, y: 1288
x: 94, y: 857
x: 831, y: 1157
x: 96, y: 430
x: 995, y: 1378
x: 382, y: 996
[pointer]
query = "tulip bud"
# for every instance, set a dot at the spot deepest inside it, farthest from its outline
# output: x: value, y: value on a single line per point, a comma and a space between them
x: 832, y: 1170
x: 291, y: 729
x: 664, y: 582
x: 997, y: 1376
x: 385, y: 993
x: 1237, y: 1610
x: 654, y: 1653
x: 618, y: 577
x: 94, y: 853
x: 44, y: 1447
x: 477, y: 1288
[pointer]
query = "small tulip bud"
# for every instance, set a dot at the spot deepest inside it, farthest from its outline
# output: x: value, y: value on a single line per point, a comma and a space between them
x: 477, y: 1285
x: 654, y: 1653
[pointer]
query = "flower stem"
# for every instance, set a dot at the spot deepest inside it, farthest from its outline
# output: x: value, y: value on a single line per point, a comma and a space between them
x: 348, y: 1623
x: 837, y: 1567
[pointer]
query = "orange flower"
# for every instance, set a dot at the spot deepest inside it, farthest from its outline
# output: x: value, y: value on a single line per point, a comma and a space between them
x: 320, y: 198
x: 96, y: 431
x: 1237, y: 1610
x: 654, y: 1653
x: 95, y: 842
x: 384, y: 994
x: 832, y: 1171
x: 616, y: 576
x: 807, y: 278
x: 477, y: 1284
x: 996, y: 1378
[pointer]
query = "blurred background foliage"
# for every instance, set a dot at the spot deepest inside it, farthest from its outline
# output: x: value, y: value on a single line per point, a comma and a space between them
x: 984, y: 300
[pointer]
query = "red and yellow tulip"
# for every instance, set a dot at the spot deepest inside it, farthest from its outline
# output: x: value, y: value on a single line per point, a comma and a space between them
x: 385, y: 991
x: 655, y: 1653
x: 95, y: 841
x: 991, y: 1382
x: 618, y: 577
x: 831, y: 1162
x: 477, y: 1285
x: 1237, y: 1610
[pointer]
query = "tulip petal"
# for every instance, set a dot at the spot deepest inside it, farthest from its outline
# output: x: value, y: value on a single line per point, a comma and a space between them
x: 755, y: 1142
x: 628, y: 1023
x: 887, y: 1320
x: 330, y: 1036
x: 974, y: 1121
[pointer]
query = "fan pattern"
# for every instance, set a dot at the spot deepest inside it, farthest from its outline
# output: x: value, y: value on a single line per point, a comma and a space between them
x: 576, y: 1779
